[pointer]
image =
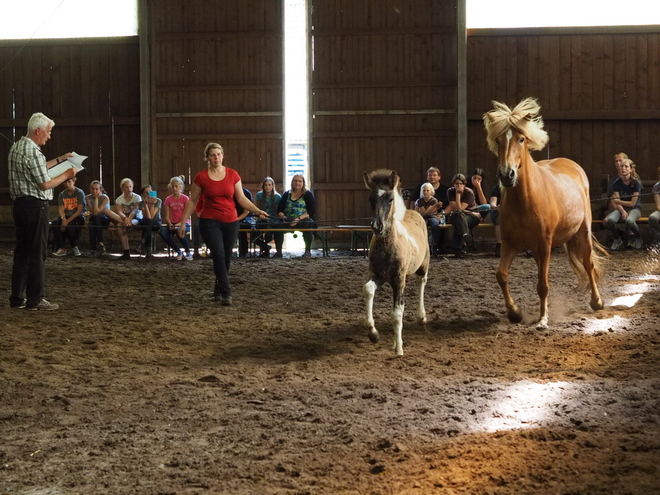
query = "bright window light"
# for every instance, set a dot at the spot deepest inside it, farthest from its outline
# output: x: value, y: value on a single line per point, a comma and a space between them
x: 67, y: 19
x: 542, y: 13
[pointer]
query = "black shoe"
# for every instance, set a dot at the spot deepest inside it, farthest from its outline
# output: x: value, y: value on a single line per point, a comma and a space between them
x: 18, y: 305
x: 124, y: 256
x: 467, y: 239
x: 139, y: 249
x: 226, y: 301
x: 460, y: 253
x: 278, y: 254
x: 265, y: 253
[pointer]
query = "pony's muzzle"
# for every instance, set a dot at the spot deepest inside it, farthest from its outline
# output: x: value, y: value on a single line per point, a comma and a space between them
x: 377, y: 227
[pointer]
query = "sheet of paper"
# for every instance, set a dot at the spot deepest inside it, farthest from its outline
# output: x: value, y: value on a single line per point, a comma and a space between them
x: 74, y: 161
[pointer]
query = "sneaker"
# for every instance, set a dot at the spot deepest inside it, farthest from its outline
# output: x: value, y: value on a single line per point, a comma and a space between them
x: 189, y: 257
x: 226, y: 301
x: 307, y: 254
x: 18, y: 305
x: 101, y: 250
x: 639, y: 244
x: 76, y: 251
x: 265, y: 253
x: 61, y: 252
x: 618, y: 242
x: 44, y: 306
x: 179, y: 255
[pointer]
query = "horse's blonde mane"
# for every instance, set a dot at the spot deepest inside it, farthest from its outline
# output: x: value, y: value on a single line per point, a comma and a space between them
x: 524, y: 117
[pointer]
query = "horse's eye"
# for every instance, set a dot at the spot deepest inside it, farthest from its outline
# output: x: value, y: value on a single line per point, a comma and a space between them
x: 521, y: 140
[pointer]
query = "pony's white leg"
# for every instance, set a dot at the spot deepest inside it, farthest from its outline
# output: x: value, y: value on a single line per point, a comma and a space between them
x: 542, y: 286
x: 421, y: 310
x: 369, y: 290
x: 397, y: 322
x: 512, y: 311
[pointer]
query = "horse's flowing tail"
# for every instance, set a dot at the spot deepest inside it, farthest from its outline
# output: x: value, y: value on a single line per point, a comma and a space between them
x: 576, y: 252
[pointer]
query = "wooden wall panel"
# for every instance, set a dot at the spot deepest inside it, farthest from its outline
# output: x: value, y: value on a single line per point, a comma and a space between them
x: 89, y: 88
x: 384, y: 94
x: 218, y: 76
x: 598, y: 88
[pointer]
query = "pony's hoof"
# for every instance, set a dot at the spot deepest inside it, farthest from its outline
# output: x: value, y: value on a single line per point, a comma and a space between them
x: 374, y: 337
x: 542, y: 326
x: 597, y: 305
x: 422, y: 321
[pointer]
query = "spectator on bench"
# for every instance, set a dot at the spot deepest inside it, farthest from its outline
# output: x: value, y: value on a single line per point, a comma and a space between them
x: 98, y: 207
x: 175, y: 204
x: 268, y: 199
x: 68, y: 225
x: 126, y: 215
x: 150, y: 207
x: 654, y: 218
x: 626, y: 200
x: 297, y: 208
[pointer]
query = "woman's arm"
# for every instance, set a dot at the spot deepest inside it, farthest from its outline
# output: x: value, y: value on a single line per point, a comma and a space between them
x: 656, y: 197
x: 282, y: 204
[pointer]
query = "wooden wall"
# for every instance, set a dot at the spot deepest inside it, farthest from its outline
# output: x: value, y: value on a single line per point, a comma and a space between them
x: 89, y: 88
x: 599, y: 89
x: 383, y: 95
x: 217, y: 71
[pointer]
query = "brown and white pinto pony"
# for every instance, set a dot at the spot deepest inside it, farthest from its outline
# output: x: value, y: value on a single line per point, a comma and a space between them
x: 398, y: 248
x: 543, y: 204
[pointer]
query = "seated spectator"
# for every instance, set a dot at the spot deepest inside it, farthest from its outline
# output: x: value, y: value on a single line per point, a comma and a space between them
x: 626, y: 200
x: 476, y: 183
x: 127, y: 214
x: 460, y: 198
x: 426, y: 205
x: 434, y: 177
x: 654, y: 218
x: 173, y: 209
x: 98, y: 207
x: 297, y: 208
x: 71, y: 205
x: 150, y: 207
x: 495, y: 198
x: 267, y: 200
x: 245, y: 221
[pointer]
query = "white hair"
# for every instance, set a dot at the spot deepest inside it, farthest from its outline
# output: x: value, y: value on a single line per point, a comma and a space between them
x: 38, y: 121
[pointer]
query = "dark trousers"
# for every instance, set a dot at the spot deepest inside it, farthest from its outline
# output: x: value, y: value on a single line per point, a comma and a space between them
x: 71, y: 232
x: 96, y: 225
x: 28, y: 273
x: 308, y: 237
x: 148, y: 225
x: 220, y: 238
x: 462, y: 224
x: 243, y: 243
x: 263, y: 239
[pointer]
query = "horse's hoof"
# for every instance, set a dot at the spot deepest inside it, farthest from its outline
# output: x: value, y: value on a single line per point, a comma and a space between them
x: 542, y: 326
x: 374, y: 337
x: 515, y: 317
x: 422, y: 321
x: 597, y: 305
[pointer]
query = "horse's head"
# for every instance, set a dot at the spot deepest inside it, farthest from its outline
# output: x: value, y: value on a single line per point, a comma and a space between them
x: 384, y: 186
x: 512, y: 134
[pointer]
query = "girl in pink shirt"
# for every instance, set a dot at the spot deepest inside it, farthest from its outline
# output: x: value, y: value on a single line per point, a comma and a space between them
x: 173, y: 208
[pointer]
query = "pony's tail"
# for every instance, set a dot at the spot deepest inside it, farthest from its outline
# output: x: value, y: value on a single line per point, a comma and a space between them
x: 574, y: 251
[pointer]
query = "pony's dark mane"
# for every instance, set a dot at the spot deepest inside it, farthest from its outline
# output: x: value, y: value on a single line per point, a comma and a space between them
x: 380, y: 177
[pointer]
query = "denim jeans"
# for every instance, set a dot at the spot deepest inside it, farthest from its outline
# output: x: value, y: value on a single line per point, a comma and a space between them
x: 613, y: 218
x: 28, y: 273
x: 71, y: 233
x: 96, y: 225
x: 169, y: 235
x: 220, y: 238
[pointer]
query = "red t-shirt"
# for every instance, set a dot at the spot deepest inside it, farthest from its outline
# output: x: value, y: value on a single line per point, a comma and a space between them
x: 218, y: 195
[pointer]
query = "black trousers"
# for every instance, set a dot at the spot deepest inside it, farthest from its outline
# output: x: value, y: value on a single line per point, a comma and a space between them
x: 28, y: 274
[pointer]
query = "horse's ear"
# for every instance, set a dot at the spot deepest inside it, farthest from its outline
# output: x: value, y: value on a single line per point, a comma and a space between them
x: 367, y: 181
x: 394, y: 180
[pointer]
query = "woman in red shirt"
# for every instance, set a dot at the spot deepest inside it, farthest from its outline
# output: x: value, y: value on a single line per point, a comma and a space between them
x: 218, y: 221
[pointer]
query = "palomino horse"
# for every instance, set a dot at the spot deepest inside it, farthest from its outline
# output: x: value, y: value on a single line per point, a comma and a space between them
x: 398, y: 248
x: 543, y: 205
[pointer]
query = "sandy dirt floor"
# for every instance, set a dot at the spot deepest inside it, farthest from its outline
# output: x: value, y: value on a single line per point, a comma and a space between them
x: 140, y: 384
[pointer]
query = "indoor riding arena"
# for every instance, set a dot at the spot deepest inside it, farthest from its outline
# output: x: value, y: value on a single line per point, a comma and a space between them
x: 140, y: 383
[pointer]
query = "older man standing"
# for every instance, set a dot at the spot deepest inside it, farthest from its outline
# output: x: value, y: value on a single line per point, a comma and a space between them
x: 31, y: 188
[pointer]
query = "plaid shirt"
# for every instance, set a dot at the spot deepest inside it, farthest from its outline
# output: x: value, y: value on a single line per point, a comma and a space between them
x: 28, y: 169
